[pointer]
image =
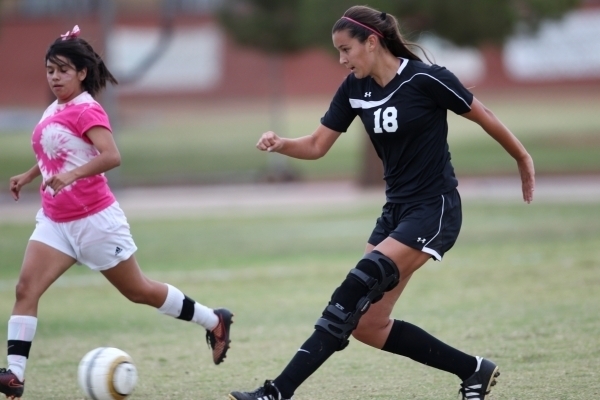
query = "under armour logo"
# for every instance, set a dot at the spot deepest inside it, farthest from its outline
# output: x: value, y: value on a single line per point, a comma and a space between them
x: 421, y: 240
x: 367, y: 94
x: 118, y: 250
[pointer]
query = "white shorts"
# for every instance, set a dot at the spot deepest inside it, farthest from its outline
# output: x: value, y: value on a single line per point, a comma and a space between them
x: 100, y: 241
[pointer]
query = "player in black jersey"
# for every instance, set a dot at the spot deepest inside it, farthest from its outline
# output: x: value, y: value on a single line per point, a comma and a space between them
x: 403, y: 105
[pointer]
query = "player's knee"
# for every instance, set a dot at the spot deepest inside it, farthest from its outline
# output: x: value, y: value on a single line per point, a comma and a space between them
x: 381, y: 268
x: 373, y: 276
x: 21, y: 291
x: 25, y: 291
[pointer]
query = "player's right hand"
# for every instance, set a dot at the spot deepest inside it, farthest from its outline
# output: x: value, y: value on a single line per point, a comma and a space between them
x: 270, y: 142
x: 16, y: 183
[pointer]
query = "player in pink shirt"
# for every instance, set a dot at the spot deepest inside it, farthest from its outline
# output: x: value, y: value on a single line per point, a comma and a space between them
x: 80, y: 221
x: 62, y: 142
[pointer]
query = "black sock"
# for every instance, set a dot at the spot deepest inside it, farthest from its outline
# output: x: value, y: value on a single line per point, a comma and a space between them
x: 413, y: 342
x: 313, y: 353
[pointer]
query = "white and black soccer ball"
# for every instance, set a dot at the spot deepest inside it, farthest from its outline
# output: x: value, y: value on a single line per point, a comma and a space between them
x: 107, y: 373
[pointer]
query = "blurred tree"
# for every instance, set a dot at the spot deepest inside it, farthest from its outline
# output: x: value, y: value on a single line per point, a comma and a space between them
x: 286, y: 26
x: 277, y: 28
x: 280, y: 27
x: 475, y: 22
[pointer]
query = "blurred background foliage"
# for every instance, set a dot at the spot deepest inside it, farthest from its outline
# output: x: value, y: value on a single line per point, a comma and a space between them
x: 287, y: 26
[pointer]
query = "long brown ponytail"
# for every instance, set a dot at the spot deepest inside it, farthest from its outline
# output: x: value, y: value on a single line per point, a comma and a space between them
x: 362, y: 21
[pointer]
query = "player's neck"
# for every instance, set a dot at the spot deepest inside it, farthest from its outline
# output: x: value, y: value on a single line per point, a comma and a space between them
x: 386, y: 70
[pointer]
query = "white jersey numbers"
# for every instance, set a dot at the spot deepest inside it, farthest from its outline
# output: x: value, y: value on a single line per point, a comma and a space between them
x: 389, y: 122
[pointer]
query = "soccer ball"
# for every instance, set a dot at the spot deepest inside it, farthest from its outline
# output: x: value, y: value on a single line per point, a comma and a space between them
x: 107, y: 373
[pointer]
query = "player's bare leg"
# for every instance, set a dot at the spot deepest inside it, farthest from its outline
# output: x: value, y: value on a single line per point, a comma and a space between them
x: 129, y: 279
x: 42, y: 265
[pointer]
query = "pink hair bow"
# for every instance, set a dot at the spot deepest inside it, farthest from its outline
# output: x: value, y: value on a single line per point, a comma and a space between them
x: 71, y: 34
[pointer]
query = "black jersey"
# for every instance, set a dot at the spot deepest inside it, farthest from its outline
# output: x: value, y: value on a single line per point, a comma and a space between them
x: 407, y: 123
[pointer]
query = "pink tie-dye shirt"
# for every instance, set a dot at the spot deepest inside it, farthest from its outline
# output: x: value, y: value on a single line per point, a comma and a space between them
x: 60, y: 145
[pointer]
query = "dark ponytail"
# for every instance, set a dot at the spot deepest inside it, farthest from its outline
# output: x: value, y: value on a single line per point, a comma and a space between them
x: 362, y: 21
x: 81, y: 54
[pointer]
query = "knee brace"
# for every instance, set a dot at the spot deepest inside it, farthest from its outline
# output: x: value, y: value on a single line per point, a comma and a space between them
x: 364, y: 285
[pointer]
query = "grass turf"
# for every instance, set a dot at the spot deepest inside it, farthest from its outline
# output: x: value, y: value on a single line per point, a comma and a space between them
x: 519, y: 287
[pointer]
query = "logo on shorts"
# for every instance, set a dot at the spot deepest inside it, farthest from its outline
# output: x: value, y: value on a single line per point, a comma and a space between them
x: 118, y: 250
x: 421, y: 240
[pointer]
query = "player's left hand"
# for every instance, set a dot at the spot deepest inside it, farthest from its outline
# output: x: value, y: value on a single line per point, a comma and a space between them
x: 527, y: 172
x: 58, y: 182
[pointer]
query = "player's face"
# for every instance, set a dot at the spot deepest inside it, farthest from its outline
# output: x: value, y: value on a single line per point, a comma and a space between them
x: 64, y: 79
x: 354, y: 55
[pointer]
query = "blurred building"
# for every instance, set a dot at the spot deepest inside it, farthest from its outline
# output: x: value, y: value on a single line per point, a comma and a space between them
x: 198, y: 61
x: 161, y: 49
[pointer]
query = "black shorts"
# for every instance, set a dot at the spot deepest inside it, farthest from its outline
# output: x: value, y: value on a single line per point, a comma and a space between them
x: 431, y: 225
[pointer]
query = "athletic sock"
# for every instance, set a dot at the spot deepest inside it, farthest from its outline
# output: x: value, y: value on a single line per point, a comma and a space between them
x: 21, y: 330
x: 313, y: 353
x: 182, y: 307
x: 413, y: 342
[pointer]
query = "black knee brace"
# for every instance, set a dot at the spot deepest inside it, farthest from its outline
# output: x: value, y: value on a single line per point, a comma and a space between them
x: 374, y: 275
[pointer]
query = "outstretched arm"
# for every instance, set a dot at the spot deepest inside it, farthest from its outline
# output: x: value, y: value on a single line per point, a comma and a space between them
x: 496, y: 129
x: 309, y: 147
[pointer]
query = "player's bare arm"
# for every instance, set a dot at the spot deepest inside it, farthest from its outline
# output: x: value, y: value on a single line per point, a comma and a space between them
x: 18, y: 181
x: 497, y: 130
x: 108, y: 159
x: 310, y: 147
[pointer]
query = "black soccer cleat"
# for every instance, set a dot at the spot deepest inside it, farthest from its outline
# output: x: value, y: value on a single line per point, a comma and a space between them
x: 266, y: 392
x: 479, y: 385
x: 218, y: 339
x: 10, y: 385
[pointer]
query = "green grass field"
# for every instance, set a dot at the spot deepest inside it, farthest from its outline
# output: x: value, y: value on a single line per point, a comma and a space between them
x: 520, y: 287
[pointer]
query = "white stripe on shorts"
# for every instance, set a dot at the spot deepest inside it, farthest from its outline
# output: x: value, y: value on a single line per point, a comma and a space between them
x: 429, y: 250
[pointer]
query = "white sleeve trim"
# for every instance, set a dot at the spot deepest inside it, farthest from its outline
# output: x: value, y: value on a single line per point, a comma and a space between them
x: 359, y: 103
